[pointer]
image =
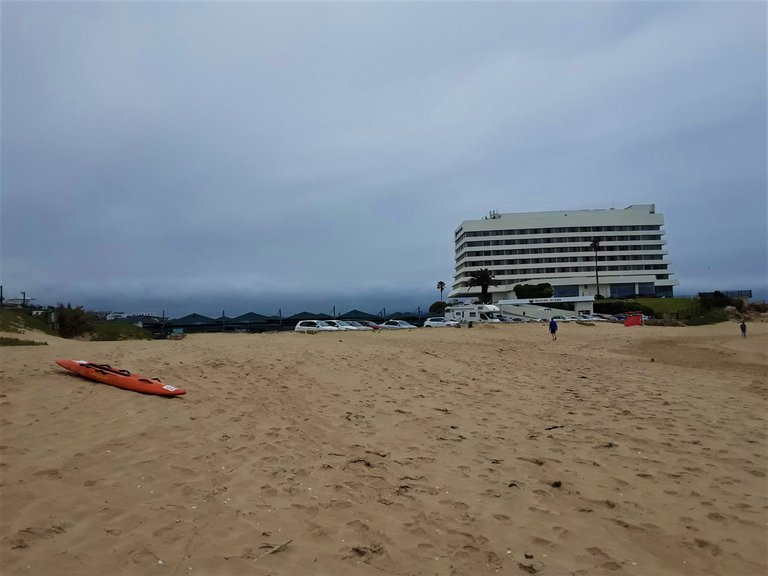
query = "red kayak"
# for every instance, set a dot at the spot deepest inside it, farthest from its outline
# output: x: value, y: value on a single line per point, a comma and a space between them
x: 121, y: 378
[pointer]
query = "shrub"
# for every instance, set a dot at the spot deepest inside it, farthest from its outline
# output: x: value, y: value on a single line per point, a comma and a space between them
x: 529, y: 291
x: 111, y: 331
x: 719, y: 300
x: 6, y: 341
x: 620, y: 306
x: 74, y: 321
x: 708, y: 317
x: 438, y: 308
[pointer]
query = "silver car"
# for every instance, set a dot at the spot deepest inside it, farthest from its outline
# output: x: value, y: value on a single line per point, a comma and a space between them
x: 396, y: 325
x: 314, y: 326
x: 440, y: 322
x: 341, y: 325
x: 359, y: 326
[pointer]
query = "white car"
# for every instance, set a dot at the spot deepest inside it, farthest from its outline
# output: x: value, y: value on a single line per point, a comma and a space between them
x: 440, y: 322
x: 396, y: 325
x: 341, y: 325
x: 314, y: 326
x: 359, y: 326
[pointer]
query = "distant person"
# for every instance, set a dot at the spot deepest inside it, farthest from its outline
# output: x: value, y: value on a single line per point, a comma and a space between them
x: 553, y: 328
x: 743, y: 329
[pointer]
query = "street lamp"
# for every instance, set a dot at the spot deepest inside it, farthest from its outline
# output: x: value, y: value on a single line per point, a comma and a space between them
x: 595, y: 245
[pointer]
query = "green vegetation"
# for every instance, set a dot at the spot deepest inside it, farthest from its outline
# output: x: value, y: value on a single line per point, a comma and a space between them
x: 6, y: 341
x: 710, y: 309
x: 708, y: 317
x: 662, y: 306
x: 437, y: 308
x: 483, y: 278
x: 677, y: 308
x: 606, y: 306
x: 441, y: 287
x: 74, y: 321
x: 17, y: 321
x: 529, y: 291
x: 104, y: 331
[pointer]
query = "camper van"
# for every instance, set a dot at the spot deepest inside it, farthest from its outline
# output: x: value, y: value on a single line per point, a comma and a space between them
x: 464, y: 313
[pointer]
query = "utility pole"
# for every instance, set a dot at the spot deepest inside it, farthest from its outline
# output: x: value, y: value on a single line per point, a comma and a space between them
x: 23, y: 299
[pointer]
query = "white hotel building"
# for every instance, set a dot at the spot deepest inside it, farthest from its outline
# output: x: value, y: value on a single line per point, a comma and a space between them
x: 555, y: 247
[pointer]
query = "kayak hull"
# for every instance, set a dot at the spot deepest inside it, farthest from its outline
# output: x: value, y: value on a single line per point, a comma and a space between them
x: 120, y: 378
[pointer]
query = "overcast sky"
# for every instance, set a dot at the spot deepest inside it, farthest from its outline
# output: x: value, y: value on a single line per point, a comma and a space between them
x: 195, y: 157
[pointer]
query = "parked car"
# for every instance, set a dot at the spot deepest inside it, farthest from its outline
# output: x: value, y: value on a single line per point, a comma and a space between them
x: 440, y: 322
x: 341, y: 325
x: 370, y: 324
x: 396, y: 325
x: 358, y: 325
x: 565, y: 318
x: 314, y: 326
x: 602, y: 317
x: 352, y: 325
x: 591, y: 318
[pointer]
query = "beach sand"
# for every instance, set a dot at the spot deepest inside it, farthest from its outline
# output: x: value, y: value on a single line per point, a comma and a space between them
x: 632, y: 451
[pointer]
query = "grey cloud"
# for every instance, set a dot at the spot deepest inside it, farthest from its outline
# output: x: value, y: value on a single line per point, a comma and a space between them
x: 204, y: 147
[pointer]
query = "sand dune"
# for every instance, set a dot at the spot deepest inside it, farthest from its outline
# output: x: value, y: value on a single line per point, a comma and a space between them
x: 613, y: 450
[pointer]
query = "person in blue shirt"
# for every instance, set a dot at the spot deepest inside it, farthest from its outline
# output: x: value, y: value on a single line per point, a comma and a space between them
x: 553, y: 328
x: 743, y: 329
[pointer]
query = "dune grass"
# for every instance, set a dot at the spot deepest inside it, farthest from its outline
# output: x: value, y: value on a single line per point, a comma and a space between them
x: 9, y: 341
x: 17, y: 321
x: 110, y: 331
x: 669, y: 305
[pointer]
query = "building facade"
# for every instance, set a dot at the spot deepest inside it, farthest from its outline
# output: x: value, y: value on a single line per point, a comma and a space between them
x: 559, y: 248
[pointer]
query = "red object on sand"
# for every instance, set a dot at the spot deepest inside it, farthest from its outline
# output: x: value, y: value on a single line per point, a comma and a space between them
x: 120, y: 378
x: 634, y: 320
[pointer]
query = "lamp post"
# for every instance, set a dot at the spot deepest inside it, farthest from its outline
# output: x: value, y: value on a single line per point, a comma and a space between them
x: 595, y: 245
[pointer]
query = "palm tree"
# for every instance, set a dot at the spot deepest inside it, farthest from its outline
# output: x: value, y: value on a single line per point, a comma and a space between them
x: 441, y: 287
x: 595, y: 245
x: 483, y: 278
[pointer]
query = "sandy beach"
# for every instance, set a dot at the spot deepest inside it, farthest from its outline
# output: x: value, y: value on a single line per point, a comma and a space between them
x: 633, y: 451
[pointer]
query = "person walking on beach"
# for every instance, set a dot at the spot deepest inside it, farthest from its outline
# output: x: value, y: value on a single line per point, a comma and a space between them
x: 743, y: 329
x: 553, y: 328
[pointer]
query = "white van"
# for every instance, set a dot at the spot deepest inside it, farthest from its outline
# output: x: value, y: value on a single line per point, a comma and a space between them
x: 463, y: 313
